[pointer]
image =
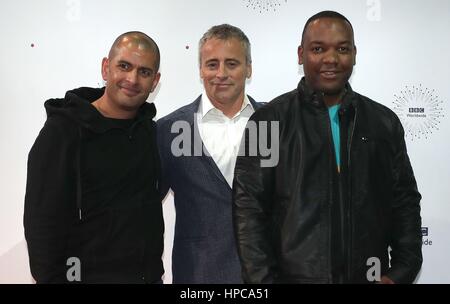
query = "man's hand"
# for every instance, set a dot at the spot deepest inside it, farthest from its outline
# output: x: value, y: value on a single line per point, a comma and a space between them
x: 386, y: 280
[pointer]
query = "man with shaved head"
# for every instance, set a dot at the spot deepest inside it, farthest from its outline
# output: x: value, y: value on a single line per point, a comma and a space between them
x: 92, y: 210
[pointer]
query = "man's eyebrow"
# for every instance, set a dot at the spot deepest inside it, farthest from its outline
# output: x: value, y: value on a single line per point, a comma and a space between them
x: 146, y: 69
x: 322, y: 42
x: 140, y: 67
x: 211, y: 60
x: 316, y: 42
x: 124, y: 61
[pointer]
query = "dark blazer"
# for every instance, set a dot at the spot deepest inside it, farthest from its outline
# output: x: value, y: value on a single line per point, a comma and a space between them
x: 204, y: 247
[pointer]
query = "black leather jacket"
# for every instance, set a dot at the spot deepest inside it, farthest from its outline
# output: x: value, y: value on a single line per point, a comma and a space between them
x: 302, y: 221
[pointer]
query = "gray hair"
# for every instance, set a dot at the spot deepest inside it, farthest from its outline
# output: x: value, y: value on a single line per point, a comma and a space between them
x: 226, y: 32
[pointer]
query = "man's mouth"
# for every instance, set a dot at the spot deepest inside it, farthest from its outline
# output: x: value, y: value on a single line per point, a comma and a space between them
x: 332, y: 74
x: 129, y: 91
x: 222, y: 85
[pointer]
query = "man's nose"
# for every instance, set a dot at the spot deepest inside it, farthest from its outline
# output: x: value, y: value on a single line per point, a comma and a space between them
x: 331, y: 57
x: 222, y: 71
x: 132, y: 76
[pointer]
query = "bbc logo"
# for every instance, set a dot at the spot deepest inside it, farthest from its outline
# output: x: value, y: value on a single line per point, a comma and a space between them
x: 416, y: 110
x: 424, y: 231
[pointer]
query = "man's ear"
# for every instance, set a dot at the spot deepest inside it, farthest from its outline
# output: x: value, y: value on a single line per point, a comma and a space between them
x: 354, y: 56
x: 105, y: 66
x: 300, y: 54
x: 155, y: 81
x: 249, y: 70
x: 200, y: 70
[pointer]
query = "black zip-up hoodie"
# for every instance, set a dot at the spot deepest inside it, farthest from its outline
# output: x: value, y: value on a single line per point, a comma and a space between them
x: 92, y: 195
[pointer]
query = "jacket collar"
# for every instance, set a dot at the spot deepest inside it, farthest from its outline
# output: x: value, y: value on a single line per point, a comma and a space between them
x: 316, y: 98
x: 187, y: 113
x: 189, y: 110
x: 206, y: 105
x: 77, y: 106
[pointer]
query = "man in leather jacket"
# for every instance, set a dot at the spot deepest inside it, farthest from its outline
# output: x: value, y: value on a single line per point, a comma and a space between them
x: 341, y: 205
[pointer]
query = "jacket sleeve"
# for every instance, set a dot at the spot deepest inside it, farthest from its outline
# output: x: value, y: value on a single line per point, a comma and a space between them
x: 162, y: 135
x: 406, y: 237
x: 49, y: 202
x: 252, y: 204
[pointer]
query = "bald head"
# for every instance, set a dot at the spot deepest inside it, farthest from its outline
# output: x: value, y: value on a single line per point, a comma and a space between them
x: 136, y: 40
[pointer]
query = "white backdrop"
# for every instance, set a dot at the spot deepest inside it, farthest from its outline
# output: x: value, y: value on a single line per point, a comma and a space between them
x: 50, y: 46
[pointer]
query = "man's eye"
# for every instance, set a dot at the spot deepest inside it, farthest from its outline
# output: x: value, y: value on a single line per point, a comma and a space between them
x: 211, y: 65
x: 123, y: 66
x: 317, y: 49
x: 232, y: 64
x: 145, y: 73
x: 343, y: 49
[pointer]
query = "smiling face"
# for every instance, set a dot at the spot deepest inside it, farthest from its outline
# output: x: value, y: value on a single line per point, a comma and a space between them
x: 328, y: 55
x: 224, y: 70
x: 131, y: 74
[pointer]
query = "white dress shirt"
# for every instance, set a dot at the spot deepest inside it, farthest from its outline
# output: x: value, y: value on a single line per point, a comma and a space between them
x: 222, y: 135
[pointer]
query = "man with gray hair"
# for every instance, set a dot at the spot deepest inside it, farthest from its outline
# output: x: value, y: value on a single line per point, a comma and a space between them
x: 198, y: 145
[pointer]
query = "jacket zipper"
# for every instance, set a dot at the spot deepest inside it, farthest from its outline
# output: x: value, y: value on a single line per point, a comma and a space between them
x: 78, y: 167
x: 78, y: 175
x: 350, y: 205
x: 330, y: 199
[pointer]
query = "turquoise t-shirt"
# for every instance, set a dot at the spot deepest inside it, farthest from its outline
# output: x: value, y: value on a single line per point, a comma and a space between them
x: 334, y: 119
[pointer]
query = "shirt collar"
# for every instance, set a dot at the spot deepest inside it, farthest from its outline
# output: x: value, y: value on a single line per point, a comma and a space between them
x: 206, y: 106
